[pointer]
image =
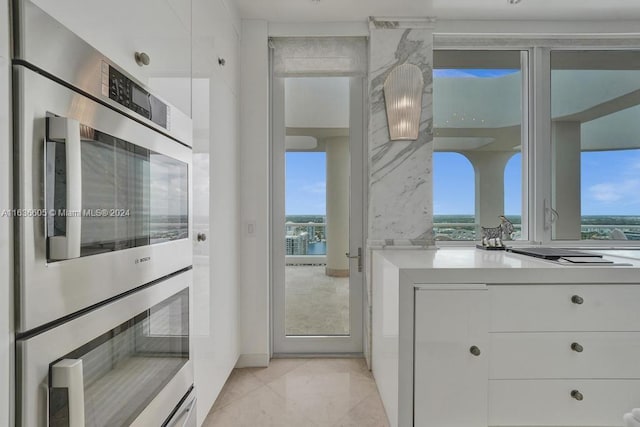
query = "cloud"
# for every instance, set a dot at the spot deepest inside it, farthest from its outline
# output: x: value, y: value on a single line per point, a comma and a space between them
x: 611, y: 192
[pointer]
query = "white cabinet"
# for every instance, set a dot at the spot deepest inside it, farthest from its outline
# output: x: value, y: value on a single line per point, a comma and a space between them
x: 120, y: 28
x: 215, y: 205
x: 558, y: 346
x: 565, y: 307
x: 451, y: 357
x: 563, y: 354
x: 554, y: 403
x: 596, y: 355
x: 547, y: 355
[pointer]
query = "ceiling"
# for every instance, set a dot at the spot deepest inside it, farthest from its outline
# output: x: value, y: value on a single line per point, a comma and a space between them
x: 358, y: 10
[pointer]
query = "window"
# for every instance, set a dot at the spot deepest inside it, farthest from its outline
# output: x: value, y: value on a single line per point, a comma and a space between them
x: 595, y: 145
x: 478, y: 102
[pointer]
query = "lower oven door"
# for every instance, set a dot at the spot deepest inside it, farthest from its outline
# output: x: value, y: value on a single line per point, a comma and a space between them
x: 125, y: 363
x: 185, y: 414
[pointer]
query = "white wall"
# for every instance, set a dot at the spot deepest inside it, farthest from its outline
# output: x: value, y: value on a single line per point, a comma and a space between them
x: 317, y: 102
x: 216, y: 194
x: 6, y: 311
x: 254, y: 187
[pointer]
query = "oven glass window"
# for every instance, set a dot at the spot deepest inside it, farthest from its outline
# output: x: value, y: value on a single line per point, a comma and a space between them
x: 131, y: 196
x: 125, y: 368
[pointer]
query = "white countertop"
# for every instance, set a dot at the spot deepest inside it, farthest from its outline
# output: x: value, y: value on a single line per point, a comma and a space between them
x: 471, y: 265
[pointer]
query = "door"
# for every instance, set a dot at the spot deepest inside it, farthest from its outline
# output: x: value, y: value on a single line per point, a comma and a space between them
x: 451, y: 361
x: 106, y: 192
x: 125, y: 363
x: 317, y: 214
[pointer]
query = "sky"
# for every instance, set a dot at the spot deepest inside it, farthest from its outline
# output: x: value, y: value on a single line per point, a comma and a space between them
x: 305, y: 183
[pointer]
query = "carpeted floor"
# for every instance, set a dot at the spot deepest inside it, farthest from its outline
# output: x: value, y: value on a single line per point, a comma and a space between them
x: 316, y: 304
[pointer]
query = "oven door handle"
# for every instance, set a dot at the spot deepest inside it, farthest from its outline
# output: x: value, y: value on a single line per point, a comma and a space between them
x: 67, y: 373
x: 68, y: 130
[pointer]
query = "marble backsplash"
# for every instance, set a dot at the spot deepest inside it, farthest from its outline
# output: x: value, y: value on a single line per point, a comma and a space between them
x: 400, y: 178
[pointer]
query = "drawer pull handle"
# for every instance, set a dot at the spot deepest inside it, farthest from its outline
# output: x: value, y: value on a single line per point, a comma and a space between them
x: 474, y: 350
x: 577, y: 299
x: 577, y: 395
x: 577, y: 347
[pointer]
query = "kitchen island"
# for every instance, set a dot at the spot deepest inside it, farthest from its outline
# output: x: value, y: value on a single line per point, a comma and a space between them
x: 472, y: 338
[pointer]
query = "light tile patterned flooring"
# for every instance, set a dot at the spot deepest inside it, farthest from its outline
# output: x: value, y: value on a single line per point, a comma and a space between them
x: 300, y: 393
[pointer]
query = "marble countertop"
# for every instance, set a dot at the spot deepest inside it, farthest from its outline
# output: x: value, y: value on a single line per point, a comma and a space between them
x: 471, y: 265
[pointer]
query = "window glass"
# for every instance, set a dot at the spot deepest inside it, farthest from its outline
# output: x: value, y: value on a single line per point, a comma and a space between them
x: 513, y: 193
x: 595, y: 141
x: 477, y: 104
x: 454, y: 217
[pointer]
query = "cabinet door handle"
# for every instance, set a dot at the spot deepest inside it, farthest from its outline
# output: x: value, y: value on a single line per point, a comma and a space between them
x: 576, y: 347
x: 577, y: 299
x: 474, y: 350
x: 576, y: 395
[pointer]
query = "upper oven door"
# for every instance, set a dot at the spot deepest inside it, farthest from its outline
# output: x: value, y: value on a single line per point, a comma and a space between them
x: 104, y: 201
x: 105, y: 194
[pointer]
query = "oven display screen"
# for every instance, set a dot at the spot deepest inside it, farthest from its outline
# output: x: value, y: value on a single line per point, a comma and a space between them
x: 140, y: 97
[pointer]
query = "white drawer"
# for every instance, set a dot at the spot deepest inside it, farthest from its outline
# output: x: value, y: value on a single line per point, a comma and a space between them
x: 530, y: 355
x: 540, y: 308
x: 549, y: 402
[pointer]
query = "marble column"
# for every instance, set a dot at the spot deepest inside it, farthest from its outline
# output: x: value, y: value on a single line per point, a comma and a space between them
x: 337, y: 206
x: 400, y: 179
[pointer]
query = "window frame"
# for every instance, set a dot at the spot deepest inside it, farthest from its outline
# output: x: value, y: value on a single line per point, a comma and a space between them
x: 536, y: 121
x: 453, y: 43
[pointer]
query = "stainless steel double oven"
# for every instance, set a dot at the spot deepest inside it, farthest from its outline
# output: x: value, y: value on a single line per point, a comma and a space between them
x: 103, y: 238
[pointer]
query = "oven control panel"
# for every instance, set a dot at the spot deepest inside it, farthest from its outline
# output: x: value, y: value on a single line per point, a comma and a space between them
x: 129, y: 94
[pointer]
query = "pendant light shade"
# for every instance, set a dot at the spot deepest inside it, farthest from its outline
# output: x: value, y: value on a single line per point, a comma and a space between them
x: 403, y: 99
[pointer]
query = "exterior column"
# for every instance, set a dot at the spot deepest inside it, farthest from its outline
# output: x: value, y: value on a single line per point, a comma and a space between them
x: 489, y: 173
x: 337, y: 206
x: 565, y: 180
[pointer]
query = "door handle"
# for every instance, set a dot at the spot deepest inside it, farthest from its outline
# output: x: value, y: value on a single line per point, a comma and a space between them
x: 67, y: 130
x: 358, y: 257
x: 67, y: 373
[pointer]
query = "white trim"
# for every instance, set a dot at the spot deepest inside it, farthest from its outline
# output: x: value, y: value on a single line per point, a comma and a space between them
x: 394, y: 22
x: 541, y: 28
x: 318, y: 29
x: 526, y: 141
x: 451, y: 287
x: 257, y: 360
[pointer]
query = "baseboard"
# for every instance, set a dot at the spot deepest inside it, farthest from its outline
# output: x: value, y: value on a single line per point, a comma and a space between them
x: 258, y: 360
